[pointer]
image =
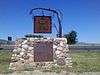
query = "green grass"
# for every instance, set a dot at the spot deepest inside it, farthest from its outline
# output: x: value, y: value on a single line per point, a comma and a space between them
x: 83, y: 61
x: 86, y: 61
x: 5, y: 57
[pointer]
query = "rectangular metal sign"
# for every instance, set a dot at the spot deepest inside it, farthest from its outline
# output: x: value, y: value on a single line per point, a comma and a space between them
x: 42, y: 24
x: 43, y: 51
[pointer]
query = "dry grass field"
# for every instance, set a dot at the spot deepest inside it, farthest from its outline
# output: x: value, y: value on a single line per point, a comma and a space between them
x: 83, y: 61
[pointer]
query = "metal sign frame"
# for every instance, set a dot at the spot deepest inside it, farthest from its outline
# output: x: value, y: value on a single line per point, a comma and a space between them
x: 58, y: 14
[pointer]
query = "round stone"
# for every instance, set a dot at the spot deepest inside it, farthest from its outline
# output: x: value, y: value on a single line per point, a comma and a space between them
x: 54, y: 46
x: 25, y: 46
x: 61, y: 43
x: 23, y: 50
x: 29, y: 54
x: 61, y: 61
x: 32, y: 39
x: 19, y: 45
x: 30, y: 48
x: 59, y: 48
x: 24, y: 42
x: 57, y: 52
x: 21, y: 59
x: 19, y: 50
x: 13, y: 55
x: 21, y: 53
x: 15, y: 50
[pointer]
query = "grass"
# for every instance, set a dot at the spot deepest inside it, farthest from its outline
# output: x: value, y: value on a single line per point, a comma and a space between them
x: 88, y: 61
x: 5, y: 57
x: 83, y: 61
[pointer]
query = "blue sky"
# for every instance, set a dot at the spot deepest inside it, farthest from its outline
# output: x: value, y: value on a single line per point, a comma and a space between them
x: 80, y: 15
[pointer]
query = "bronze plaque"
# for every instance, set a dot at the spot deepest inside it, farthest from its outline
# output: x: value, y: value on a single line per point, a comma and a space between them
x: 43, y: 51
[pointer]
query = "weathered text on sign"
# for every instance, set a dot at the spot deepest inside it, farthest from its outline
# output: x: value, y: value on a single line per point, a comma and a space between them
x: 43, y: 51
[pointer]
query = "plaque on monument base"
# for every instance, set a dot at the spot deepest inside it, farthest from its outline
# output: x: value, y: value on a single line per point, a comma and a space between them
x: 43, y: 51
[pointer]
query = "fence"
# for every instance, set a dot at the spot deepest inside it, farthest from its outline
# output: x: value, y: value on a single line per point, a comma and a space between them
x: 84, y: 47
x: 71, y: 47
x: 7, y: 47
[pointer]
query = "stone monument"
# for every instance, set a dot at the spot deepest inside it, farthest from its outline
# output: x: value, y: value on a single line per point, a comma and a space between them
x: 41, y: 53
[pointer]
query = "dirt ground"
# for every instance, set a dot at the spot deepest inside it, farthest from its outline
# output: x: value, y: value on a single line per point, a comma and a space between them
x: 50, y: 73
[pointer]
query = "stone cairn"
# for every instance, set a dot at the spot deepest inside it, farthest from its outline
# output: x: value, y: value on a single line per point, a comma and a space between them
x: 23, y: 54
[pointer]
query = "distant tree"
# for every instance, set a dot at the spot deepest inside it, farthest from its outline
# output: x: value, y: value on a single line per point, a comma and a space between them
x: 71, y: 37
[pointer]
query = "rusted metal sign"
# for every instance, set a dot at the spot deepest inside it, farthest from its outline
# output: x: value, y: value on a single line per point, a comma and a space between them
x: 42, y: 24
x: 43, y: 51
